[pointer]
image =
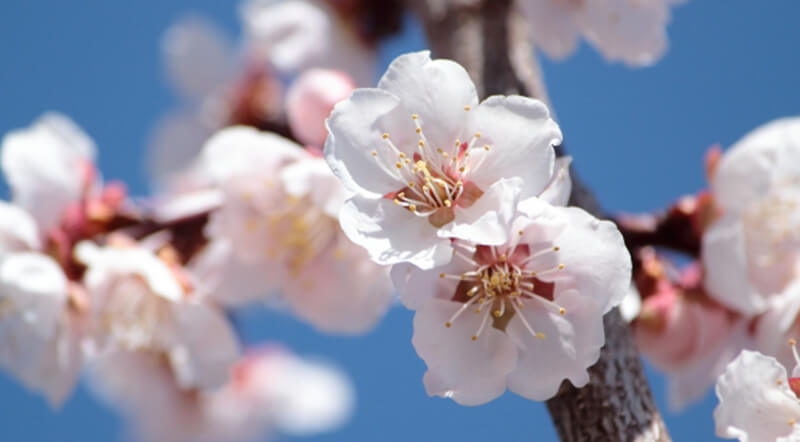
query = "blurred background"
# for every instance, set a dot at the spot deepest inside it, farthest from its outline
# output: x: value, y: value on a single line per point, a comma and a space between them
x: 638, y: 137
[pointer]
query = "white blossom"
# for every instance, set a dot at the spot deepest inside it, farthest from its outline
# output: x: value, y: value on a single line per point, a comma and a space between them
x: 425, y: 159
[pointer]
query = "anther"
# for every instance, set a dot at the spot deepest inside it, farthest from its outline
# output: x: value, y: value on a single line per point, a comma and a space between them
x: 419, y: 130
x: 466, y: 108
x: 399, y: 165
x: 562, y: 311
x: 540, y: 335
x: 448, y: 203
x: 441, y: 275
x: 412, y: 208
x: 414, y: 116
x: 477, y: 134
x: 385, y: 136
x: 486, y: 147
x: 561, y: 267
x: 374, y: 153
x: 448, y: 324
x: 556, y: 248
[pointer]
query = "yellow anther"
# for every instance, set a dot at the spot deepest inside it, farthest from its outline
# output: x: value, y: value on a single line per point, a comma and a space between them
x: 385, y: 136
x: 402, y: 155
x: 448, y: 203
x: 448, y: 324
x: 462, y: 169
x: 374, y: 153
x: 477, y: 310
x: 562, y: 311
x: 414, y: 116
x: 497, y: 313
x: 439, y: 149
x: 411, y: 184
x: 540, y: 335
x: 419, y: 130
x: 397, y: 201
x: 406, y: 160
x: 556, y: 248
x: 792, y: 342
x: 445, y: 154
x: 466, y: 108
x: 533, y: 274
x: 399, y: 165
x: 503, y: 257
x: 421, y: 143
x: 412, y: 208
x: 401, y: 195
x: 474, y: 337
x: 441, y: 275
x: 477, y: 134
x: 520, y: 233
x: 561, y: 267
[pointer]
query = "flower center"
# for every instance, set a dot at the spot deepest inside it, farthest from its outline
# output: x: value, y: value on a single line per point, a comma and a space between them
x: 434, y: 178
x: 503, y: 280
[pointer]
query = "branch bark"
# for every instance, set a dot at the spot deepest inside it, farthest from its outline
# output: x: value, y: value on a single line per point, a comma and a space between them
x: 491, y: 41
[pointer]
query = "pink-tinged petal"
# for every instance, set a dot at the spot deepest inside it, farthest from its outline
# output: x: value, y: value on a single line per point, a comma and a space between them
x: 488, y: 220
x: 594, y: 257
x: 221, y: 277
x: 559, y: 188
x: 18, y: 230
x: 554, y: 25
x: 237, y: 151
x: 779, y: 324
x: 471, y: 372
x: 187, y: 205
x: 633, y: 32
x: 298, y: 35
x: 34, y: 291
x: 205, y: 346
x: 314, y: 178
x: 311, y: 99
x: 354, y: 134
x: 47, y: 166
x: 416, y: 287
x: 521, y: 136
x: 392, y: 234
x: 750, y: 167
x: 437, y: 91
x: 197, y: 55
x: 726, y: 267
x: 570, y: 345
x: 341, y: 291
x: 755, y: 401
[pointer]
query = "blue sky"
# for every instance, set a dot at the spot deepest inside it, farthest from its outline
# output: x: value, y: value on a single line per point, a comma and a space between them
x: 638, y: 138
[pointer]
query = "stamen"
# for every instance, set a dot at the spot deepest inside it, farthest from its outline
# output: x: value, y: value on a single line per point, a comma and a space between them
x: 484, y: 321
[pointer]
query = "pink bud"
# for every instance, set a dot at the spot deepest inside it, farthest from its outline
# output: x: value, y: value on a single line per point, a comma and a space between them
x: 311, y: 99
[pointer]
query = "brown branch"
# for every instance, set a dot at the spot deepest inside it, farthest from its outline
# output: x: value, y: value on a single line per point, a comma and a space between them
x: 490, y: 40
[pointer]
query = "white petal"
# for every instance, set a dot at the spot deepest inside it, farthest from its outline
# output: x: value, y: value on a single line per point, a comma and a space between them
x: 341, y: 291
x: 235, y: 151
x: 415, y: 287
x: 554, y: 26
x: 594, y: 257
x: 753, y: 405
x: 219, y: 275
x: 748, y: 169
x: 197, y: 55
x: 354, y: 132
x: 313, y: 177
x: 35, y: 288
x: 391, y: 234
x: 488, y: 220
x: 559, y: 188
x: 570, y: 346
x: 46, y: 166
x: 470, y: 372
x: 18, y: 230
x: 205, y: 346
x: 726, y: 269
x: 435, y: 90
x: 634, y: 32
x: 521, y: 136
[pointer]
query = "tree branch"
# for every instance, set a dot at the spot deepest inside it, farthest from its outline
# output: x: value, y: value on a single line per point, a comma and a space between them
x: 491, y: 41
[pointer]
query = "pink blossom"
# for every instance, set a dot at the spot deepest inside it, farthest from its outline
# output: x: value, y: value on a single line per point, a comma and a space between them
x: 522, y: 315
x: 311, y: 99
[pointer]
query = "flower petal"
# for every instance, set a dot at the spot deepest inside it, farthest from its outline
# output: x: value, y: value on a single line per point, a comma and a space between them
x: 437, y: 91
x: 415, y: 287
x: 554, y: 26
x: 18, y: 230
x: 470, y: 372
x: 571, y: 344
x: 354, y: 132
x: 392, y: 235
x: 559, y: 188
x: 755, y: 401
x: 46, y: 166
x: 521, y: 136
x: 726, y: 271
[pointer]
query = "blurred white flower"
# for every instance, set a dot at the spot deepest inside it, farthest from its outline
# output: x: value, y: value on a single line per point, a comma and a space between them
x: 269, y: 390
x: 49, y: 167
x: 277, y: 230
x: 524, y: 314
x: 425, y: 160
x: 751, y: 253
x: 138, y: 304
x: 311, y: 99
x: 757, y: 401
x: 631, y: 31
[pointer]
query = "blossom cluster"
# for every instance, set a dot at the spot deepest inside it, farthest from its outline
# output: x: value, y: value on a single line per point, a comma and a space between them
x: 740, y: 295
x: 283, y: 179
